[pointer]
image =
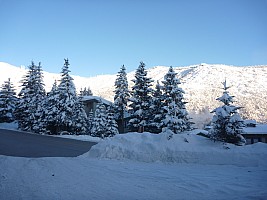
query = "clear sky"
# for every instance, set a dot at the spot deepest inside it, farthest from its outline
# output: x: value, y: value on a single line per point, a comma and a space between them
x: 99, y: 36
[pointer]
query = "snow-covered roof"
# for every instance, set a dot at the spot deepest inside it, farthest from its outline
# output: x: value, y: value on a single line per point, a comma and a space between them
x: 249, y: 121
x: 259, y: 129
x: 99, y: 99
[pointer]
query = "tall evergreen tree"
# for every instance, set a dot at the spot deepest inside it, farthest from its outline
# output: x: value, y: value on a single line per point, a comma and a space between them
x: 29, y: 110
x: 22, y: 112
x: 140, y: 100
x: 8, y: 101
x: 176, y: 116
x: 227, y: 123
x: 72, y: 117
x: 38, y: 111
x: 157, y: 108
x: 67, y: 100
x: 122, y: 95
x: 52, y: 105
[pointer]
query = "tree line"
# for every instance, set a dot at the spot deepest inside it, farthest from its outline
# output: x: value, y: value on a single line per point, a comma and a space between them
x: 143, y: 108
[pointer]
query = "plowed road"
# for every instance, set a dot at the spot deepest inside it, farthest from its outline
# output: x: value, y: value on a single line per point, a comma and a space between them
x: 21, y: 144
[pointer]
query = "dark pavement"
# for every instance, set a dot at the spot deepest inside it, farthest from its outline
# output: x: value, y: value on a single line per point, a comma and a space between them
x: 22, y: 144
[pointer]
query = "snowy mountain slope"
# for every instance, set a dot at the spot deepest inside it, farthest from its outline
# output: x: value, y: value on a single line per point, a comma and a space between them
x: 201, y: 83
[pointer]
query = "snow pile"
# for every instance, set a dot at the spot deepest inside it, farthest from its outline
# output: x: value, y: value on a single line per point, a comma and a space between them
x: 178, y: 148
x: 80, y: 137
x: 9, y: 126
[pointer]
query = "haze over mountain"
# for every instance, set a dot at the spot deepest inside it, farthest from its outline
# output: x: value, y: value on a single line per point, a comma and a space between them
x: 201, y: 83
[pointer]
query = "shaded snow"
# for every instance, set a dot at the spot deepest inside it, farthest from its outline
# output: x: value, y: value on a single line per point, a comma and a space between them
x: 9, y: 126
x: 259, y: 129
x: 99, y: 99
x: 186, y: 166
x: 83, y: 178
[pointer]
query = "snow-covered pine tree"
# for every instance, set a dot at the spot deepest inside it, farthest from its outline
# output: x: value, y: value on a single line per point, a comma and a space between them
x: 227, y: 123
x: 22, y: 108
x: 37, y: 102
x: 71, y: 117
x: 99, y: 124
x: 157, y: 105
x: 88, y: 92
x: 52, y: 106
x: 176, y: 117
x: 81, y: 94
x: 122, y: 95
x: 8, y: 101
x: 29, y: 109
x: 112, y: 126
x: 80, y: 121
x: 140, y: 100
x: 67, y: 100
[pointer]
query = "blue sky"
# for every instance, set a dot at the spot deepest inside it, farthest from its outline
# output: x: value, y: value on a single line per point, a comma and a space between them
x: 99, y: 36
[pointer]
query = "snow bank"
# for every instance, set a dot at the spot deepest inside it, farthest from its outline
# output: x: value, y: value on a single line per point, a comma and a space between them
x: 9, y: 126
x: 80, y: 137
x: 180, y: 148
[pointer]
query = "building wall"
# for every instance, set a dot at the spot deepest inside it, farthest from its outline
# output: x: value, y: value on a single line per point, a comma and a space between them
x: 254, y: 138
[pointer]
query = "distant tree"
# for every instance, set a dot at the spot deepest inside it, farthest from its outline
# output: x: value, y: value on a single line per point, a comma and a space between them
x: 176, y: 116
x: 8, y: 102
x: 122, y: 95
x: 157, y: 108
x: 86, y: 92
x: 227, y: 123
x: 99, y: 124
x: 140, y: 100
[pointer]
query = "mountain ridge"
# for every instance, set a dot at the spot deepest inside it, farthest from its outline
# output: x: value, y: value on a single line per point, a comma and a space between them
x: 201, y: 83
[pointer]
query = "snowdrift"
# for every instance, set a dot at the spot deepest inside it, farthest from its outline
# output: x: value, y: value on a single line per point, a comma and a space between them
x: 180, y: 148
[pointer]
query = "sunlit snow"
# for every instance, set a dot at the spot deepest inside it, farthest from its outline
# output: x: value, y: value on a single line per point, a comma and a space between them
x: 201, y: 83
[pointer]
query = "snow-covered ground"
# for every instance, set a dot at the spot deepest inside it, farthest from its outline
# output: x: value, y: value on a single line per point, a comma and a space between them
x: 9, y: 126
x: 83, y: 178
x: 80, y: 137
x: 180, y: 148
x: 142, y: 166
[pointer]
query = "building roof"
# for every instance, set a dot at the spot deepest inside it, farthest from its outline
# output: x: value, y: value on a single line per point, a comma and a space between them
x: 96, y: 98
x: 249, y: 121
x: 259, y: 129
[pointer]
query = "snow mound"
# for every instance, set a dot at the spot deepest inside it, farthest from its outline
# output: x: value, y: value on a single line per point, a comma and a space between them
x: 80, y: 137
x: 178, y: 148
x: 9, y: 126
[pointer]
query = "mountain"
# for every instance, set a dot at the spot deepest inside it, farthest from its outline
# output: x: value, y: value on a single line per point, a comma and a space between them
x: 201, y: 83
